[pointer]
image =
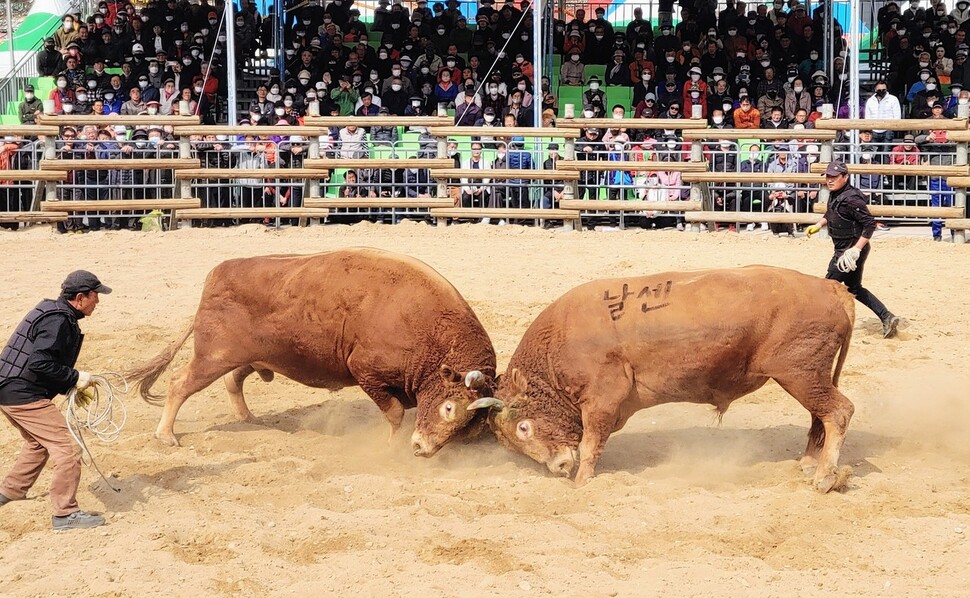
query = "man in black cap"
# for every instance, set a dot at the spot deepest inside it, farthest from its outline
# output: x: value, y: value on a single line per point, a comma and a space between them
x: 31, y: 107
x: 49, y: 59
x: 851, y: 226
x: 36, y: 365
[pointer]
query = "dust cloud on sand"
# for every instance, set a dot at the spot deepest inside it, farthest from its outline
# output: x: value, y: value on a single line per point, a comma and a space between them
x: 312, y: 499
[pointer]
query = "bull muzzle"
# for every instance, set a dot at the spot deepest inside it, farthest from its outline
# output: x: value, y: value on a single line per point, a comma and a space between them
x: 564, y: 463
x: 422, y: 448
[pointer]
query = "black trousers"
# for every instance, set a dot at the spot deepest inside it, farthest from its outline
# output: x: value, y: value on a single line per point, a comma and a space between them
x: 853, y: 280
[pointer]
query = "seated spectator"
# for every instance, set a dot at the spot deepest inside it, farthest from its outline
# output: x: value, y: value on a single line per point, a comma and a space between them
x: 747, y: 117
x: 31, y: 107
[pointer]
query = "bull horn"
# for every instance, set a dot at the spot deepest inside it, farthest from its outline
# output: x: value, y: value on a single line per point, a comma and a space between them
x: 487, y: 403
x: 474, y: 379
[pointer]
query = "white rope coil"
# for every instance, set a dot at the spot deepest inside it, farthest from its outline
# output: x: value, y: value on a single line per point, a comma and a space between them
x: 98, y: 410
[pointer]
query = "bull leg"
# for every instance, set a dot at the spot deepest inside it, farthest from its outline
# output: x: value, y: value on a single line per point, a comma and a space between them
x: 830, y: 407
x: 234, y: 386
x: 602, y: 415
x: 816, y: 439
x: 390, y: 405
x: 188, y: 380
x: 598, y: 424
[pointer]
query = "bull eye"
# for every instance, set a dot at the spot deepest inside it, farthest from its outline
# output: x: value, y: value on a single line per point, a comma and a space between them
x: 524, y: 430
x: 447, y: 411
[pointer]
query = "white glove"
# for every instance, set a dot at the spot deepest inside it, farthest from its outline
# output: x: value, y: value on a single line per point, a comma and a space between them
x: 847, y: 263
x: 83, y: 380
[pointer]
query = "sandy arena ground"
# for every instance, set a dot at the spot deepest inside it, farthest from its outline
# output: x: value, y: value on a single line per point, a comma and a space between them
x: 312, y: 501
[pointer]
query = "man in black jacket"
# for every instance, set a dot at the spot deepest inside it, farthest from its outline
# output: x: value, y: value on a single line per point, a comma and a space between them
x: 36, y: 365
x: 851, y: 226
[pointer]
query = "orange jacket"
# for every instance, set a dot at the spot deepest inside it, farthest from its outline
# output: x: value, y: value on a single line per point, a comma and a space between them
x: 747, y: 120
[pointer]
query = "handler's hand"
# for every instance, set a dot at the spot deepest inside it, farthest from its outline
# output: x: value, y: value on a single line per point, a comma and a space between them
x: 83, y: 380
x: 847, y: 263
x: 812, y: 230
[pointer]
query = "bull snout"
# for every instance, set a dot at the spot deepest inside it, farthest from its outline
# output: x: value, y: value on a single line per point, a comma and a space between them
x: 422, y: 448
x: 564, y: 463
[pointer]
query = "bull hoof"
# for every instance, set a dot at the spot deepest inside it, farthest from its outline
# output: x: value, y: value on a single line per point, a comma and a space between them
x: 167, y: 439
x: 246, y: 418
x: 581, y: 481
x: 836, y: 479
x: 826, y: 483
x: 808, y: 465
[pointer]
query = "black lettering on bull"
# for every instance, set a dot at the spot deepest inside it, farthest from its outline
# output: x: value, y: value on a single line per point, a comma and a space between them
x: 660, y: 293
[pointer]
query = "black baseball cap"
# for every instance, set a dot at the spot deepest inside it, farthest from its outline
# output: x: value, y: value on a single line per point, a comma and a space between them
x: 836, y: 168
x: 82, y: 281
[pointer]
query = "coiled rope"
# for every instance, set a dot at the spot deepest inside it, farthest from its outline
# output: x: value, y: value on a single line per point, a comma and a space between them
x: 98, y: 410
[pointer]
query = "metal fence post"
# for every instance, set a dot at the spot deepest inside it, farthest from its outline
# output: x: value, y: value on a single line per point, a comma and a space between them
x: 313, y: 151
x: 697, y: 190
x: 442, y: 184
x: 50, y: 187
x: 960, y: 193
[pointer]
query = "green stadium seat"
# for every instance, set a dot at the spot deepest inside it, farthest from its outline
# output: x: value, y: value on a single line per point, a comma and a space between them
x: 571, y: 94
x: 595, y: 69
x: 9, y: 119
x: 619, y: 94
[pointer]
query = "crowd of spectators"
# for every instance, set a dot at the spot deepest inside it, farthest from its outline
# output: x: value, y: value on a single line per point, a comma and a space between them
x: 746, y: 66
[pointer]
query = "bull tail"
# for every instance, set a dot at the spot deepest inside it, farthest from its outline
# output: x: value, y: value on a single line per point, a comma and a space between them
x: 144, y: 376
x: 848, y: 304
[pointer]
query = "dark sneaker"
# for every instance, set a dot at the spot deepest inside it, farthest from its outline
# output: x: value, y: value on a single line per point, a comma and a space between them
x: 889, y: 326
x: 77, y: 520
x: 4, y: 500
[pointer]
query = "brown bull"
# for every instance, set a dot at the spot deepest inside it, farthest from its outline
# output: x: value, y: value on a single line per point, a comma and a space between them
x: 609, y: 348
x: 386, y: 322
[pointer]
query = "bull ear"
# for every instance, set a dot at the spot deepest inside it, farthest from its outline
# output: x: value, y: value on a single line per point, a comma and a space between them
x: 449, y: 374
x: 520, y: 384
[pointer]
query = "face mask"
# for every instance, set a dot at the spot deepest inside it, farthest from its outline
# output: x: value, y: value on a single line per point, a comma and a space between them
x: 718, y: 120
x: 109, y: 96
x: 395, y: 87
x: 279, y: 112
x: 198, y: 89
x: 594, y: 85
x: 766, y: 63
x: 382, y: 55
x: 588, y: 113
x: 68, y: 26
x: 68, y: 108
x: 574, y: 58
x: 645, y: 76
x: 187, y: 61
x: 740, y: 54
x: 416, y: 103
x: 695, y: 94
x: 732, y: 32
x: 213, y: 22
x: 441, y: 31
x: 153, y: 111
x: 82, y: 97
x: 670, y: 59
x: 395, y: 25
x: 153, y: 70
x: 92, y: 84
x: 930, y: 86
x: 923, y: 64
x: 374, y: 76
x: 304, y: 82
x: 311, y: 97
x: 61, y: 84
x: 798, y: 89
